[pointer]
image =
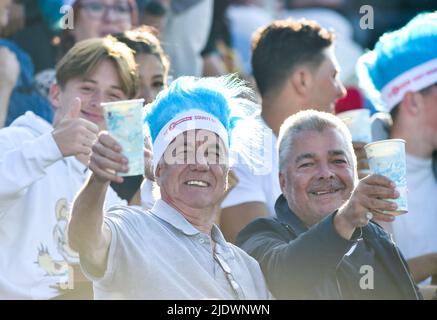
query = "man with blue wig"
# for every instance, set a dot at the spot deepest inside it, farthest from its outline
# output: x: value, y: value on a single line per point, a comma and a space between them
x: 400, y: 76
x: 173, y: 251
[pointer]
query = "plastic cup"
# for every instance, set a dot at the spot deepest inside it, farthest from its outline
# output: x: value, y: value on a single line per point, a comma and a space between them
x: 124, y: 121
x: 387, y: 158
x: 358, y: 123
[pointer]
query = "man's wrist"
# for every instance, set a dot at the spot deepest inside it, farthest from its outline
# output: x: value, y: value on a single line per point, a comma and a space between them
x: 101, y: 182
x: 342, y: 225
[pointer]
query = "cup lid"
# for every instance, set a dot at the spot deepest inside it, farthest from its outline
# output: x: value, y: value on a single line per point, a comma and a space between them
x: 384, y: 141
x: 103, y: 104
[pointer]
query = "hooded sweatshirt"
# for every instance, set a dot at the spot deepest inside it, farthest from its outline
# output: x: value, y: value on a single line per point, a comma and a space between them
x: 37, y: 186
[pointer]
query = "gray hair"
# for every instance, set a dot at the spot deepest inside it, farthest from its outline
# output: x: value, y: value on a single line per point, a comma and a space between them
x: 309, y: 120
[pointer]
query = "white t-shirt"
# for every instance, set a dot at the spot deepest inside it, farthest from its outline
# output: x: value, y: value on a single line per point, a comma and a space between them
x: 415, y: 232
x: 37, y: 186
x: 260, y: 186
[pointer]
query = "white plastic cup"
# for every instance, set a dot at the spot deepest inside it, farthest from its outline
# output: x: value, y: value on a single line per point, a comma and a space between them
x: 387, y: 158
x: 124, y: 121
x: 358, y: 123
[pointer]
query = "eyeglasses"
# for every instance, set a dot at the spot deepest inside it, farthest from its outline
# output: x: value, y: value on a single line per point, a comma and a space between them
x: 97, y: 10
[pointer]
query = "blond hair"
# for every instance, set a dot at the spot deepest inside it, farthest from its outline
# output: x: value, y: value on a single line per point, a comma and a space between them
x: 81, y: 61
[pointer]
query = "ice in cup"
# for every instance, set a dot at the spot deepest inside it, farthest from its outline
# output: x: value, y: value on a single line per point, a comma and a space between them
x: 124, y: 121
x: 387, y: 158
x: 358, y: 123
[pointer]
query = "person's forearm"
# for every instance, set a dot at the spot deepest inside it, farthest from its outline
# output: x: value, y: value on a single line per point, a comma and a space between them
x: 5, y: 94
x: 85, y: 228
x: 423, y: 267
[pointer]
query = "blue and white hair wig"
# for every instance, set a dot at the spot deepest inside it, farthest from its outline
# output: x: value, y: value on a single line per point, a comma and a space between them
x: 217, y: 104
x: 403, y: 60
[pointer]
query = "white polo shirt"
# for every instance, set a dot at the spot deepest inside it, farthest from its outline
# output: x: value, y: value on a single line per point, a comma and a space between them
x: 158, y: 254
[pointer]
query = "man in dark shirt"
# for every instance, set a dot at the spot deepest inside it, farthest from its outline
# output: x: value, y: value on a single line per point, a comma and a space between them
x: 321, y: 245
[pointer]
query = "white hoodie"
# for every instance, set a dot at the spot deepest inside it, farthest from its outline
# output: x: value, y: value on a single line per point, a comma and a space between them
x: 37, y: 186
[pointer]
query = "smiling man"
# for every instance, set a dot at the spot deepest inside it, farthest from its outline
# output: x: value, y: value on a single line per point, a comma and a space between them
x: 173, y: 251
x: 322, y: 245
x: 295, y: 68
x: 43, y: 165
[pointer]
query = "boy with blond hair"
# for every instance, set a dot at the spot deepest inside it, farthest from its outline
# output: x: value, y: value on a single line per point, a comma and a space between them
x: 43, y: 165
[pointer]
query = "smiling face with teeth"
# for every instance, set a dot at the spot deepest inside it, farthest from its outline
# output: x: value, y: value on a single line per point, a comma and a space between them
x: 319, y: 176
x: 102, y: 85
x: 197, y: 178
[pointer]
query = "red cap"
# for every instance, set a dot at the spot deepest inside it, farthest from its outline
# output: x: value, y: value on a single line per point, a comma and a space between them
x: 353, y: 100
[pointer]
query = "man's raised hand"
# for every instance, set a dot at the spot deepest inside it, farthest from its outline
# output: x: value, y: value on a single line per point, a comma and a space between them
x: 74, y: 135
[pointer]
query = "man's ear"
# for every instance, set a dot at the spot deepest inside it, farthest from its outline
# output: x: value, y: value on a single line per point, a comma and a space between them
x: 301, y: 80
x: 282, y: 181
x: 54, y: 95
x: 412, y: 103
x: 158, y: 174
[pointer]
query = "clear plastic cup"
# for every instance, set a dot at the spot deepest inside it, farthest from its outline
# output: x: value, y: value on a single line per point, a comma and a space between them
x: 124, y: 121
x: 387, y: 158
x: 358, y: 123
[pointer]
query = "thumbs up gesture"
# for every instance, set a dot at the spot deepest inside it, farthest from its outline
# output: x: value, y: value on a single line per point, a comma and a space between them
x: 74, y: 135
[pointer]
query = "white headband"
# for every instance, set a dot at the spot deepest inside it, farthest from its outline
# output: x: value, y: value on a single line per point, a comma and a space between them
x: 185, y: 121
x: 414, y: 79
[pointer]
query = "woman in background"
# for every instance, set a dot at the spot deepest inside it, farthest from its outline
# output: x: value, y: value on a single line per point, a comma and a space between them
x: 153, y: 68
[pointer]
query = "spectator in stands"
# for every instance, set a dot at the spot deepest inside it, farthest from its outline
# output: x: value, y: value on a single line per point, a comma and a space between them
x: 43, y: 165
x: 153, y: 67
x: 92, y: 19
x: 322, y: 245
x: 17, y: 90
x: 128, y: 253
x: 400, y: 76
x: 295, y: 68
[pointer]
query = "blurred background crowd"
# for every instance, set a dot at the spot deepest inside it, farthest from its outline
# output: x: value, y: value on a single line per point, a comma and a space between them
x: 202, y: 37
x: 173, y: 38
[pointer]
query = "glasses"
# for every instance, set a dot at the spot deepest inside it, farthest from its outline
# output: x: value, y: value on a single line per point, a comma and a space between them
x: 97, y: 10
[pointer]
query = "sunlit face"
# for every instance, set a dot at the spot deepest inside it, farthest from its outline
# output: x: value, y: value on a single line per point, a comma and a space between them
x: 152, y: 76
x: 103, y: 85
x: 98, y: 18
x: 319, y: 176
x: 4, y: 12
x: 198, y: 179
x: 326, y: 85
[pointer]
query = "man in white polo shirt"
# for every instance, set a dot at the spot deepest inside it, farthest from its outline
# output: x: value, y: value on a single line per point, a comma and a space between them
x: 173, y: 251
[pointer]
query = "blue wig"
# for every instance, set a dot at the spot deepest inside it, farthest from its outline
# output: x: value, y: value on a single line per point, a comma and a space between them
x: 226, y: 98
x: 397, y: 52
x: 223, y: 97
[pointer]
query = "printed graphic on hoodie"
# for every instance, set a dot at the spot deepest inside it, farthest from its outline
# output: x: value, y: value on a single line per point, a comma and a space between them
x: 45, y: 261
